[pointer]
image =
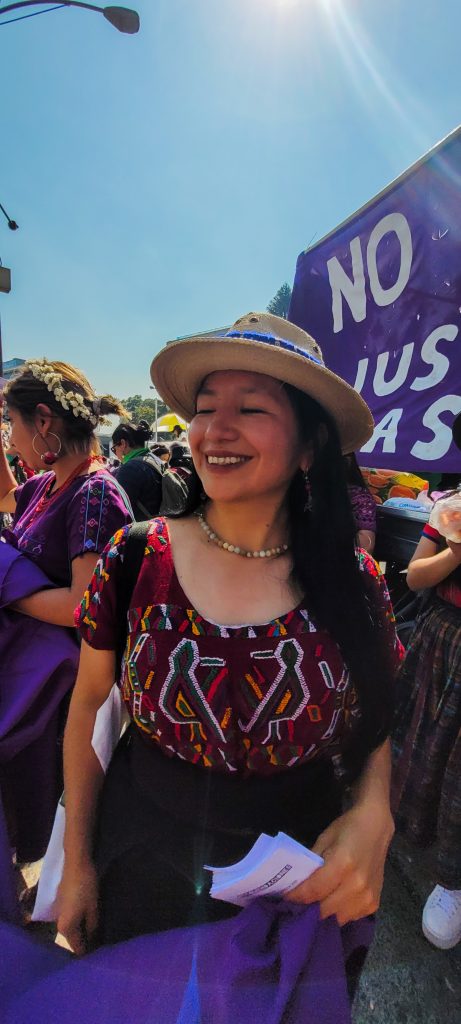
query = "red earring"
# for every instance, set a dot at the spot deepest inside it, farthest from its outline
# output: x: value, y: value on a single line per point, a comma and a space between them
x: 49, y: 457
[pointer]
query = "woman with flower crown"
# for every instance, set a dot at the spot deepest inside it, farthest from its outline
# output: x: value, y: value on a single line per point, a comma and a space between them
x: 62, y: 519
x: 259, y: 657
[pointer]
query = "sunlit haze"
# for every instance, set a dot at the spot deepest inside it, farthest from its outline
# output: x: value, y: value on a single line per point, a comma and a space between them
x: 165, y: 182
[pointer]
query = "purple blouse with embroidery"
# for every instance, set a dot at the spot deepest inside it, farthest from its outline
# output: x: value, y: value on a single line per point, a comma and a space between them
x: 82, y: 519
x: 363, y: 507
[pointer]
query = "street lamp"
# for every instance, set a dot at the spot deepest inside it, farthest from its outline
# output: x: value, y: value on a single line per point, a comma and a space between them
x: 122, y: 18
x: 155, y: 396
x: 5, y: 278
x: 11, y: 223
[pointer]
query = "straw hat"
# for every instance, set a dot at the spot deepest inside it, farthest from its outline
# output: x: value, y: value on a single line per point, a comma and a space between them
x: 261, y: 343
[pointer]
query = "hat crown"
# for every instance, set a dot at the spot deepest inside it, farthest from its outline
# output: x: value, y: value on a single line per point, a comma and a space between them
x: 278, y: 327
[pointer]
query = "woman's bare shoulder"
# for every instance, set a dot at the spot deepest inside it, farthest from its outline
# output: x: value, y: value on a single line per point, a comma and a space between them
x: 181, y: 528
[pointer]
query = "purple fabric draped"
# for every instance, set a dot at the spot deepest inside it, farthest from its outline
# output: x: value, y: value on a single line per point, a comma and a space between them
x: 276, y: 962
x: 38, y: 664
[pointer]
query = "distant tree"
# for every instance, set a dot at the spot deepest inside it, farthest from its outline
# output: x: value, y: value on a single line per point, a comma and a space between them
x: 280, y: 304
x: 144, y: 408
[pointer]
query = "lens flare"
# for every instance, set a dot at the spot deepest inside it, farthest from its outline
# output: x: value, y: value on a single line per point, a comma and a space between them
x: 360, y: 55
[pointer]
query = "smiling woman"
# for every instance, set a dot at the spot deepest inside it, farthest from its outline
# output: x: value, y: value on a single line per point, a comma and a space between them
x: 259, y: 661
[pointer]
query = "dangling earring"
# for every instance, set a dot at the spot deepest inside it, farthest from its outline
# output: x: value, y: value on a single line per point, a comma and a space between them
x: 307, y: 492
x: 49, y: 457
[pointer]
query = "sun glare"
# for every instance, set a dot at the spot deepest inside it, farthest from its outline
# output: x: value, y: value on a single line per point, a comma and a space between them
x: 362, y: 57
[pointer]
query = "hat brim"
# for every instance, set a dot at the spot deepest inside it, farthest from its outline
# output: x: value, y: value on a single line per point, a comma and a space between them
x: 179, y: 369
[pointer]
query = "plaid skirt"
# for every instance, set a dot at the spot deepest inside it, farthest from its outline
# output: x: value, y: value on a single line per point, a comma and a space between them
x: 426, y: 789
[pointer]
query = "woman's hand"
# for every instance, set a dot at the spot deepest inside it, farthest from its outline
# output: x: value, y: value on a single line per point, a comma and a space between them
x: 77, y: 906
x: 354, y: 848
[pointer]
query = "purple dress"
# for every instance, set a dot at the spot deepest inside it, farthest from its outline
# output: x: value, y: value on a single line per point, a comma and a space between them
x: 82, y: 519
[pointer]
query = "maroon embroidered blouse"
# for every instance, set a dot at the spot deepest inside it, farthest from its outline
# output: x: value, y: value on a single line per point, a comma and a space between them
x: 252, y: 698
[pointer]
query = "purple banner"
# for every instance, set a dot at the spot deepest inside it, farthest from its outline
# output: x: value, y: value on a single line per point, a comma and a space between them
x: 382, y: 296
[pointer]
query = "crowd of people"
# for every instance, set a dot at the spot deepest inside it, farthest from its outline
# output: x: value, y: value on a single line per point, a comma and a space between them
x: 248, y: 629
x: 154, y: 476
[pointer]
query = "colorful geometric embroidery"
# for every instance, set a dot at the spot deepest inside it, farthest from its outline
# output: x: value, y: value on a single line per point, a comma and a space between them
x: 182, y: 689
x: 289, y: 680
x: 95, y: 505
x: 243, y: 698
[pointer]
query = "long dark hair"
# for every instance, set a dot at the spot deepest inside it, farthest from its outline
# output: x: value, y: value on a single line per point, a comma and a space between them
x: 353, y: 472
x: 338, y: 593
x: 340, y: 596
x: 135, y: 434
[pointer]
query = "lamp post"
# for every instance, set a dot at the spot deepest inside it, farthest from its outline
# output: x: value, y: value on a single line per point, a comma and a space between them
x: 155, y: 397
x: 122, y: 18
x: 5, y: 286
x: 5, y: 278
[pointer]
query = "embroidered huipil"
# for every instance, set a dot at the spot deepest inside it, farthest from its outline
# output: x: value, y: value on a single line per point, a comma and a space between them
x: 82, y: 519
x: 253, y: 698
x: 363, y: 508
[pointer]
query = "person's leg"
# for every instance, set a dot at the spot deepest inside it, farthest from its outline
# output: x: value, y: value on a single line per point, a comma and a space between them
x: 442, y: 912
x: 416, y: 777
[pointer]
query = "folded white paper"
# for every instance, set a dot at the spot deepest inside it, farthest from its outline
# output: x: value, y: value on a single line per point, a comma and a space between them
x: 109, y: 724
x: 273, y: 866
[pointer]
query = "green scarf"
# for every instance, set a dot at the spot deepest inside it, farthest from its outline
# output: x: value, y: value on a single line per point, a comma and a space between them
x: 133, y: 454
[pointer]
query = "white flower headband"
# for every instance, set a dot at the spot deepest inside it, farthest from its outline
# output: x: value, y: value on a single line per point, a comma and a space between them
x: 70, y: 400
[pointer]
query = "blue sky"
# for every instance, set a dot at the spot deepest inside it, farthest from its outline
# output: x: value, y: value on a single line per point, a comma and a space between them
x: 166, y: 182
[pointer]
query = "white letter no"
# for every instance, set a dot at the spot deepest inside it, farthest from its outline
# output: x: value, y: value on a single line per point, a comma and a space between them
x: 398, y: 223
x: 352, y: 290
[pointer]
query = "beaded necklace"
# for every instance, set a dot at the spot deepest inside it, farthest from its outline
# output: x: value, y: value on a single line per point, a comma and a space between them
x: 233, y: 549
x: 49, y: 496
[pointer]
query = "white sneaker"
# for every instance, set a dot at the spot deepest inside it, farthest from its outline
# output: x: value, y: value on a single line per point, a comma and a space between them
x: 442, y: 917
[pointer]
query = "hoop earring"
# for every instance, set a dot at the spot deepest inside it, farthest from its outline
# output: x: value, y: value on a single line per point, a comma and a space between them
x: 49, y: 457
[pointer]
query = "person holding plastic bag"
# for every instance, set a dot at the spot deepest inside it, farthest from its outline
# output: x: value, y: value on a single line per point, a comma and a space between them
x: 427, y: 735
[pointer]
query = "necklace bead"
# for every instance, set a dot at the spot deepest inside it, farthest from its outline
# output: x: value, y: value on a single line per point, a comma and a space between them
x: 233, y: 548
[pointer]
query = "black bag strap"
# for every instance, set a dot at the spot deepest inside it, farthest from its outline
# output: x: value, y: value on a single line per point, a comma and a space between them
x: 130, y: 568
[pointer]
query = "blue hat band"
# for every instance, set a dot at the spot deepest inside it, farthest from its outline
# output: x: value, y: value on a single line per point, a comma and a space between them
x: 270, y: 339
